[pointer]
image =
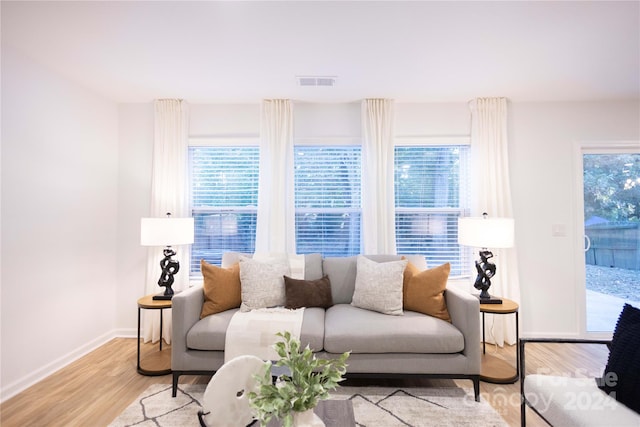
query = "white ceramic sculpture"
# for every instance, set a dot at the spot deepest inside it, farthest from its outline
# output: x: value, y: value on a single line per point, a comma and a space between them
x: 226, y: 398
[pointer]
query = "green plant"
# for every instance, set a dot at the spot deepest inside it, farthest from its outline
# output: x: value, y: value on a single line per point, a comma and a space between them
x: 308, y: 381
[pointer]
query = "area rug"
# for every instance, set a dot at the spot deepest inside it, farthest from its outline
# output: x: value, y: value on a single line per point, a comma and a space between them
x: 372, y: 407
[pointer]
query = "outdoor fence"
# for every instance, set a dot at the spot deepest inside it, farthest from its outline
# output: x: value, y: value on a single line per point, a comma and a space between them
x: 614, y: 245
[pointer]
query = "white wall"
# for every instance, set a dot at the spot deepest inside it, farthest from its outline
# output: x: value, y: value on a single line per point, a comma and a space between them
x: 134, y: 194
x: 543, y: 171
x: 59, y: 211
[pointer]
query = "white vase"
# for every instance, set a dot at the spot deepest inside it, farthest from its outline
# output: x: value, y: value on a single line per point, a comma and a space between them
x: 307, y: 418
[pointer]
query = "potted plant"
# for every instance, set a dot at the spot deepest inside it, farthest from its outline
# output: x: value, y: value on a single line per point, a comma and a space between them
x: 295, y: 393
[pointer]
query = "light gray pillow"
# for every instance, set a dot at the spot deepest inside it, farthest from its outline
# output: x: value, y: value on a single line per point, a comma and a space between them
x: 262, y: 283
x: 379, y: 285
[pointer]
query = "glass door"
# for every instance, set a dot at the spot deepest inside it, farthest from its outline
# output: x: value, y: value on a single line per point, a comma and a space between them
x: 611, y: 189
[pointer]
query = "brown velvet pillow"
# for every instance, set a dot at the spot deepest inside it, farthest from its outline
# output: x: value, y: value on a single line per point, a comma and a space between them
x: 308, y: 293
x: 423, y: 291
x: 221, y: 288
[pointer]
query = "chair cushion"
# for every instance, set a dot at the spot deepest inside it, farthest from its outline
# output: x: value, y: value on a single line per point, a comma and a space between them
x: 210, y: 333
x: 621, y: 377
x: 569, y: 401
x: 349, y: 328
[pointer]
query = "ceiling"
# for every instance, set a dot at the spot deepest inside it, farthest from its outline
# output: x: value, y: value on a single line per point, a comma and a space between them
x: 240, y: 51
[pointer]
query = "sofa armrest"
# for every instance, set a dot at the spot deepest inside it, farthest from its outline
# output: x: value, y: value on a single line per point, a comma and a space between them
x: 464, y: 310
x: 185, y: 312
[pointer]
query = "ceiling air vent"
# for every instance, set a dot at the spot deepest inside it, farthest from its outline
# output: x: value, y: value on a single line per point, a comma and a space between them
x: 316, y: 80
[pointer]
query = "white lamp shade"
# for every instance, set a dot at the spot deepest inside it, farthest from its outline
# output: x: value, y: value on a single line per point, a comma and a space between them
x: 166, y: 231
x: 481, y: 232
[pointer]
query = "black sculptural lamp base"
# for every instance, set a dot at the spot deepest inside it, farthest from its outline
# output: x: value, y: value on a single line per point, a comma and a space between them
x: 489, y: 300
x: 163, y: 297
x: 169, y: 267
x: 486, y: 270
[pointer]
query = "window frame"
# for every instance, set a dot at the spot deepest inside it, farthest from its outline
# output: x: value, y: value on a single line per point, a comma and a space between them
x: 465, y: 191
x: 331, y: 141
x: 234, y: 141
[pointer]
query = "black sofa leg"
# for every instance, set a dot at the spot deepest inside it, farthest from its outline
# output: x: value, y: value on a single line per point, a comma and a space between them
x: 174, y: 388
x: 476, y: 387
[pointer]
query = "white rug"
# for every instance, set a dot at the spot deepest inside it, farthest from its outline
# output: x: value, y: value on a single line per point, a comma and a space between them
x: 372, y: 406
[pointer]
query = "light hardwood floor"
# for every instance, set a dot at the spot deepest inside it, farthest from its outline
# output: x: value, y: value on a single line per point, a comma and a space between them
x: 96, y: 388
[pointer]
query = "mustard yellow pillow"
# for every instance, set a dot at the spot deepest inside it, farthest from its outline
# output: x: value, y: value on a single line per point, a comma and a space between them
x: 423, y: 291
x: 221, y: 288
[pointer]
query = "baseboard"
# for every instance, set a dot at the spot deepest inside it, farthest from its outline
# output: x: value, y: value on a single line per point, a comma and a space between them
x: 10, y: 390
x: 549, y: 335
x: 126, y: 333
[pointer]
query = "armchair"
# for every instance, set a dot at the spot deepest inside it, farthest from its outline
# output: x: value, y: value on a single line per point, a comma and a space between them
x: 569, y: 401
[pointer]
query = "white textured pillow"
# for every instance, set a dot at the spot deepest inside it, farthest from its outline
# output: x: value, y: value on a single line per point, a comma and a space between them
x: 262, y: 283
x: 379, y: 285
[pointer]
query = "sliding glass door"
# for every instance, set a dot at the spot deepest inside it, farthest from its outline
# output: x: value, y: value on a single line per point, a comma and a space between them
x: 611, y: 216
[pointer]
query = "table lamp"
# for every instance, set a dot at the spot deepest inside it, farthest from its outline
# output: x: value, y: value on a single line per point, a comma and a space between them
x: 166, y: 232
x: 484, y: 232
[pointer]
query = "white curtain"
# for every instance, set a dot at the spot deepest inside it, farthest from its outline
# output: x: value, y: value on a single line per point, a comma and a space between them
x: 491, y: 191
x: 169, y: 193
x: 378, y: 202
x: 275, y: 227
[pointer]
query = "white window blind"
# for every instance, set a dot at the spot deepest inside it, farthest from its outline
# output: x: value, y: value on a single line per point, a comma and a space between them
x: 431, y: 192
x: 224, y: 199
x: 327, y: 199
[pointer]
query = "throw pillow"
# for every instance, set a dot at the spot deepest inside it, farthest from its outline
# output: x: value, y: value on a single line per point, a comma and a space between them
x: 262, y: 284
x: 307, y: 293
x: 221, y: 288
x: 423, y: 291
x: 622, y: 374
x: 379, y: 285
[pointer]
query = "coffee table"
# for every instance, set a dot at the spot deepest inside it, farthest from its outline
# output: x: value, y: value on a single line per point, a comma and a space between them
x: 334, y: 413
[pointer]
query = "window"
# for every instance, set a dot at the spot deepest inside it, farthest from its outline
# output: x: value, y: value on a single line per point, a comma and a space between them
x: 327, y: 199
x: 224, y: 199
x: 431, y: 192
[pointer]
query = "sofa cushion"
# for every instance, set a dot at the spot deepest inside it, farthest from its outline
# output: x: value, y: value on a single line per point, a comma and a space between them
x: 312, y: 263
x: 210, y: 332
x: 313, y: 266
x: 342, y: 273
x: 378, y: 286
x: 424, y: 290
x: 262, y: 283
x: 349, y: 328
x: 622, y: 374
x: 312, y: 332
x: 221, y: 288
x: 307, y: 293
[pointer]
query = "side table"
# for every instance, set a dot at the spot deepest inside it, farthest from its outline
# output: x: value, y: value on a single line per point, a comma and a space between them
x: 158, y: 362
x: 493, y: 369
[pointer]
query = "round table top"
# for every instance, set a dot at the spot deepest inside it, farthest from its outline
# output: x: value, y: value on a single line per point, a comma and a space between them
x: 148, y: 302
x: 507, y: 306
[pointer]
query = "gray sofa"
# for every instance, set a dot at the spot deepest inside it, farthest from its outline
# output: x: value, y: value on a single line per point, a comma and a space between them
x: 411, y: 345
